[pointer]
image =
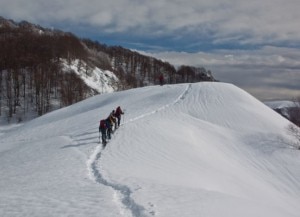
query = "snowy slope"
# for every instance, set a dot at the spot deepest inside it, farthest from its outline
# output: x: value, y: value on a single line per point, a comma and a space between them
x: 102, y: 81
x: 205, y: 149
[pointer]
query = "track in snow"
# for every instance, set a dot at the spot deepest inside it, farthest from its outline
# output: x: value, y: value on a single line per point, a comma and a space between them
x: 181, y: 97
x: 124, y: 191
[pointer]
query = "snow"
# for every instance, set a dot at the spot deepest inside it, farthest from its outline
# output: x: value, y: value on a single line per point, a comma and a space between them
x: 204, y: 149
x: 100, y: 80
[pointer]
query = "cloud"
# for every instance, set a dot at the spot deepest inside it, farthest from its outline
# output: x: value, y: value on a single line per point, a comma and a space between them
x: 248, y: 22
x: 267, y: 73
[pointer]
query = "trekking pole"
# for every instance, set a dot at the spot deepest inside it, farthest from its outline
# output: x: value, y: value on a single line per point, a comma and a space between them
x: 99, y: 135
x: 124, y: 116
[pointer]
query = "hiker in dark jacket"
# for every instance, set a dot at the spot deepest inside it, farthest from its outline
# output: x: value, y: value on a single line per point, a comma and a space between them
x: 108, y: 128
x: 110, y: 121
x: 113, y: 120
x: 161, y: 79
x: 102, y: 129
x: 118, y: 114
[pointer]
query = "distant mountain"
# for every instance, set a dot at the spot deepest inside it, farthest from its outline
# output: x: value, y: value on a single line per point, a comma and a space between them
x: 288, y: 109
x: 44, y: 69
x: 281, y: 107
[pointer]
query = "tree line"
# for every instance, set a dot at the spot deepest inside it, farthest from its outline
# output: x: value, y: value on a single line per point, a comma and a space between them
x: 137, y: 70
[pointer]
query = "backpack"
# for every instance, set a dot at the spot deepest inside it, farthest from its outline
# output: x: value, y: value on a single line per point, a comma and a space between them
x: 102, y: 124
x: 118, y: 111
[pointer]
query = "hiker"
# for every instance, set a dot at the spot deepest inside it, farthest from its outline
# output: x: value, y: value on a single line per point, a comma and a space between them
x: 113, y: 121
x: 118, y: 114
x: 102, y: 129
x: 108, y: 127
x: 161, y: 79
x: 110, y: 120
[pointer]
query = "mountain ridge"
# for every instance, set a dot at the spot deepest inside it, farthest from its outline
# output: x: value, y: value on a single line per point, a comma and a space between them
x: 54, y: 69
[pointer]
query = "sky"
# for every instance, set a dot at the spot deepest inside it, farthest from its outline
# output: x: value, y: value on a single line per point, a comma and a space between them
x: 252, y: 44
x: 181, y: 150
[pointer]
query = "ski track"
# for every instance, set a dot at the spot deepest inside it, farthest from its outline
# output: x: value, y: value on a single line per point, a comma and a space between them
x: 123, y: 190
x: 181, y: 97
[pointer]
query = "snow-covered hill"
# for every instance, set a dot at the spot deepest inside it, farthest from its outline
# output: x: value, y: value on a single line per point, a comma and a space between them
x: 204, y: 149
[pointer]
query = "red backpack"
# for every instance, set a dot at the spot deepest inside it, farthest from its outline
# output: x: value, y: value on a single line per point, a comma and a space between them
x: 102, y: 124
x: 118, y: 111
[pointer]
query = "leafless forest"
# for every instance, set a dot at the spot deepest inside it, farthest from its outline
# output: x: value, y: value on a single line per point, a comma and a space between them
x: 33, y: 81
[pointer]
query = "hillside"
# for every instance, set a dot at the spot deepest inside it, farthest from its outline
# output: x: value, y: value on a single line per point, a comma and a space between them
x: 45, y: 69
x: 203, y: 149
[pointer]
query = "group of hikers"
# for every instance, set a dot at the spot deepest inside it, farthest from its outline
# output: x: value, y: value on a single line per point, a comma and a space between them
x: 110, y: 124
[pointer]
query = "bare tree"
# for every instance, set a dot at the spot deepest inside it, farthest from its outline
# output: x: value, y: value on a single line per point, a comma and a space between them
x: 294, y: 117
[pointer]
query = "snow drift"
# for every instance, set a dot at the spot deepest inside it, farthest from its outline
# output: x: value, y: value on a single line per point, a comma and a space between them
x: 204, y: 149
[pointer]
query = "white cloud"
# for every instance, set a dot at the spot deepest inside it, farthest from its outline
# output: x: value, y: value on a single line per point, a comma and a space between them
x: 267, y: 73
x: 266, y: 56
x: 260, y: 20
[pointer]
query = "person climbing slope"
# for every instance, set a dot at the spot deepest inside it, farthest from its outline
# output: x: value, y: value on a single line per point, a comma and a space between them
x: 161, y: 79
x: 118, y: 114
x: 113, y: 120
x: 108, y: 128
x: 110, y: 121
x: 102, y: 129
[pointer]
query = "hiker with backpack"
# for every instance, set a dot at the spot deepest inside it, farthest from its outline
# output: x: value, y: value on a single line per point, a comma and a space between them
x: 113, y: 120
x: 110, y: 121
x: 102, y: 129
x: 106, y: 125
x: 118, y: 114
x: 108, y: 128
